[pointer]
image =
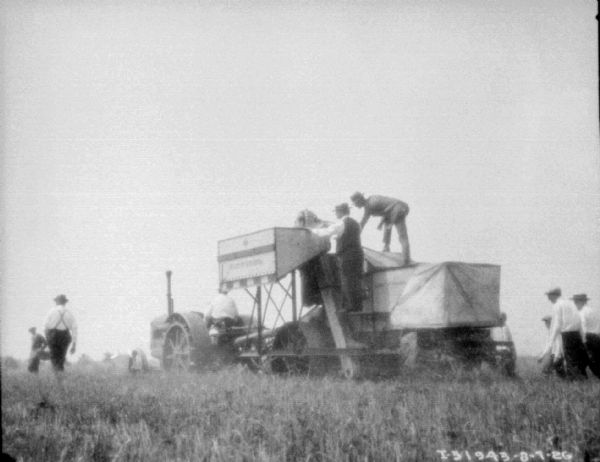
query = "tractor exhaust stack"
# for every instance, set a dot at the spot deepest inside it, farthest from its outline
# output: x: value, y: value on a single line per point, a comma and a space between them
x: 169, y: 297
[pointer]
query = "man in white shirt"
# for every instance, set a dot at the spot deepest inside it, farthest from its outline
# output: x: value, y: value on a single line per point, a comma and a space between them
x: 566, y: 323
x: 222, y: 308
x: 61, y: 330
x: 590, y: 329
x: 553, y: 361
x: 350, y: 256
x: 222, y: 314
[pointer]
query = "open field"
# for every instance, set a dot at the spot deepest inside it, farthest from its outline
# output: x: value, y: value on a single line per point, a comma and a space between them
x: 236, y: 415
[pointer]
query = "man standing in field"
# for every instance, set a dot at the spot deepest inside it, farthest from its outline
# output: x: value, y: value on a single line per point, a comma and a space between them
x: 392, y: 212
x: 553, y: 361
x: 61, y: 330
x: 590, y: 329
x: 566, y: 323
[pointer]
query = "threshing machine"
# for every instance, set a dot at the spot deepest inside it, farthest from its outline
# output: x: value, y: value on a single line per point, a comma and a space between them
x: 411, y: 314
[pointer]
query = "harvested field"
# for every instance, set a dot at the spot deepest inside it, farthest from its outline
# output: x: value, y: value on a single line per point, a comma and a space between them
x: 237, y: 415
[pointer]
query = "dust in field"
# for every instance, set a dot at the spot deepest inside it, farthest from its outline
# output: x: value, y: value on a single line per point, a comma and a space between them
x: 237, y: 415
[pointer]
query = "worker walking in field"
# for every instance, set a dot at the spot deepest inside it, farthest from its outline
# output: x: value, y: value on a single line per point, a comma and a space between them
x: 61, y: 330
x: 350, y: 256
x: 393, y: 212
x: 566, y: 323
x: 590, y: 330
x: 553, y: 361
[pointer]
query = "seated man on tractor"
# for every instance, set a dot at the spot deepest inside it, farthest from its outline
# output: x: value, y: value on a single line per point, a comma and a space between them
x: 222, y: 315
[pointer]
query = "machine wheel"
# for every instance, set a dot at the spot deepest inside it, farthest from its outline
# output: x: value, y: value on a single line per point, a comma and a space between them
x: 177, y: 350
x: 290, y: 339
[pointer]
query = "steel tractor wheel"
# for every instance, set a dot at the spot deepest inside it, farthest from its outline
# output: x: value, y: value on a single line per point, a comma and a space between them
x: 291, y: 340
x: 177, y: 350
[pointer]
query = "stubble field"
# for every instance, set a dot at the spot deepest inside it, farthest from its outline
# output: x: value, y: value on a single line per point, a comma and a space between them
x: 238, y: 415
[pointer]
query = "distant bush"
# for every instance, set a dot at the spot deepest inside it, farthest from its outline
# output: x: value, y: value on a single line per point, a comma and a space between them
x: 10, y: 363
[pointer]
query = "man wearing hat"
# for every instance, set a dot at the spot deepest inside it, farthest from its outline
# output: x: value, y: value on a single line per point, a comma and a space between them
x: 553, y: 361
x: 61, y: 330
x: 590, y: 329
x: 350, y: 256
x: 566, y: 324
x: 392, y: 212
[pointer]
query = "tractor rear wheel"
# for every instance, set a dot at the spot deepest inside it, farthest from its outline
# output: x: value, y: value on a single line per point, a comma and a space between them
x: 291, y: 340
x: 177, y: 350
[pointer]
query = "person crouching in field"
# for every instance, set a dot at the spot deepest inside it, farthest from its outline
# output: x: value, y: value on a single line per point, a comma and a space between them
x: 38, y: 351
x: 61, y: 330
x: 553, y: 360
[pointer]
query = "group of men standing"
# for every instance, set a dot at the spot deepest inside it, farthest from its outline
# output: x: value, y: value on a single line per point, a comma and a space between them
x: 349, y: 247
x: 574, y: 337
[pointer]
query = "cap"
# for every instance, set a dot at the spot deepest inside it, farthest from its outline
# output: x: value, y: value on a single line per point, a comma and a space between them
x: 32, y: 329
x: 554, y: 291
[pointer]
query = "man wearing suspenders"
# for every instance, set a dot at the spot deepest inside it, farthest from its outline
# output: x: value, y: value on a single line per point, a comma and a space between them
x: 61, y: 330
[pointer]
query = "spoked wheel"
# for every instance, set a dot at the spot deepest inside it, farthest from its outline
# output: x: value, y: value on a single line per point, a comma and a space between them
x: 177, y: 348
x: 290, y: 340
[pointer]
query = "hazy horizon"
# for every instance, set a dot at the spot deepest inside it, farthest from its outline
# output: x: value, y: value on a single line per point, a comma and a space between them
x: 138, y: 135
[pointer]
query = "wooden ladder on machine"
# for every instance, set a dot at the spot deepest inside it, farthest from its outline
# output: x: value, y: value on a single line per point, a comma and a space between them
x: 349, y: 365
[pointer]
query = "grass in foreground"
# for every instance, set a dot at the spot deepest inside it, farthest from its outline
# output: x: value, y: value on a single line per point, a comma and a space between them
x: 236, y: 415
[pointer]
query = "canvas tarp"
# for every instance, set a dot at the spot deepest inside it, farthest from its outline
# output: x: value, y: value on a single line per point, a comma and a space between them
x: 377, y: 261
x: 449, y: 294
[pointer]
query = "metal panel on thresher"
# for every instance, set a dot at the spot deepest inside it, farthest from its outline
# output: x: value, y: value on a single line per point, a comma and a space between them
x: 266, y: 256
x: 247, y: 260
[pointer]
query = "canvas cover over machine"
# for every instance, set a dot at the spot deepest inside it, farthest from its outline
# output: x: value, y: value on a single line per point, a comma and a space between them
x: 438, y: 295
x: 448, y: 294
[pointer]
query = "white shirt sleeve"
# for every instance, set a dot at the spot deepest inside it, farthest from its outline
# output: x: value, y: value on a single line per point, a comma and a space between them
x: 584, y: 322
x: 555, y: 328
x: 49, y: 323
x: 72, y: 323
x: 335, y: 229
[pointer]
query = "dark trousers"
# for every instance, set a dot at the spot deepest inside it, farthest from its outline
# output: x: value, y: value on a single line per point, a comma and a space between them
x: 34, y: 363
x: 58, y: 343
x: 575, y: 355
x: 592, y: 345
x: 351, y: 272
x: 397, y: 217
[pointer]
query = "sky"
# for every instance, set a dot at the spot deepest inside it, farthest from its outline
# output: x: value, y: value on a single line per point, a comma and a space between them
x: 136, y: 135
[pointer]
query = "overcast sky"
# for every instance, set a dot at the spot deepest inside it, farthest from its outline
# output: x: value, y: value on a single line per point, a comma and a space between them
x: 135, y: 135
